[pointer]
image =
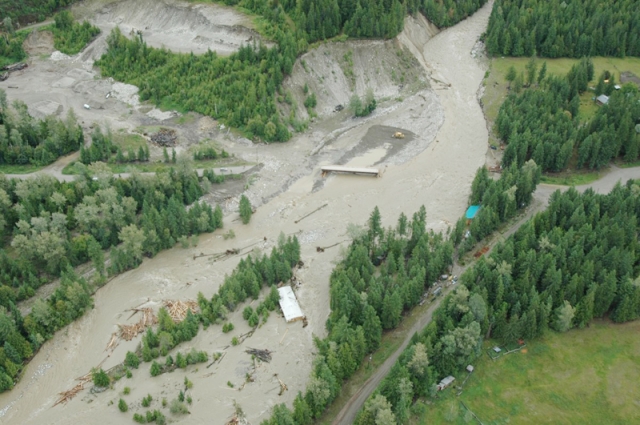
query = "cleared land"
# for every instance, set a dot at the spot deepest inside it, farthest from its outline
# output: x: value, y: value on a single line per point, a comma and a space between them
x: 496, y: 83
x: 586, y: 376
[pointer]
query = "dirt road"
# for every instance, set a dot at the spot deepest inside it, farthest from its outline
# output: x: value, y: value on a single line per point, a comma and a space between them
x: 541, y: 197
x: 55, y: 170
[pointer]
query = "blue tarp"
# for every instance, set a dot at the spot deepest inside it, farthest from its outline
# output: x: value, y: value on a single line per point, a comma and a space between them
x: 472, y: 211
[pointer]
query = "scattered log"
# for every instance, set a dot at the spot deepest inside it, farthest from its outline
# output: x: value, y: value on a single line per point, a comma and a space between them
x: 246, y: 335
x: 218, y: 360
x: 128, y: 332
x: 113, y: 342
x: 264, y: 355
x: 312, y: 212
x: 285, y: 334
x: 322, y: 248
x: 283, y: 386
x: 66, y: 396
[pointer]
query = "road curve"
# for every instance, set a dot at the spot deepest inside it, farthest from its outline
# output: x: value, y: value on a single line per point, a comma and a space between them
x: 541, y: 196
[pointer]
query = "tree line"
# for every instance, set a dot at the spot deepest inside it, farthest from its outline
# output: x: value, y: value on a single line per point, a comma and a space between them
x: 576, y: 261
x: 540, y: 120
x: 26, y: 140
x: 247, y: 280
x: 26, y: 11
x: 384, y: 274
x: 70, y: 36
x: 103, y: 149
x: 50, y: 226
x: 241, y: 89
x: 564, y: 29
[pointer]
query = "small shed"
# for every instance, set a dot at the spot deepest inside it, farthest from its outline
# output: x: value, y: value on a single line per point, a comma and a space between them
x: 472, y: 211
x: 446, y: 382
x: 289, y: 304
x: 603, y: 99
x: 497, y: 349
x: 469, y: 368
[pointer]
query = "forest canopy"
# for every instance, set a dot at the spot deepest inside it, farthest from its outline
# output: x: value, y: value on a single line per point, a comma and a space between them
x: 542, y: 121
x: 26, y: 11
x: 564, y: 28
x: 574, y: 262
x: 241, y: 89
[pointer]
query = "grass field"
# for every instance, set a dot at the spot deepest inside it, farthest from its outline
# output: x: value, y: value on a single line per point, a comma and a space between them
x: 571, y: 178
x: 19, y: 169
x: 496, y: 84
x: 587, y: 376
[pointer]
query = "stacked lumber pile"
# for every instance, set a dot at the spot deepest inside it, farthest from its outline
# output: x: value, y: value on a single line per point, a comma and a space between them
x: 178, y: 309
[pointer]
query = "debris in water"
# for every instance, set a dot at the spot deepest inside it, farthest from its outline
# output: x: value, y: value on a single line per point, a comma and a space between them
x: 264, y: 355
x: 178, y: 309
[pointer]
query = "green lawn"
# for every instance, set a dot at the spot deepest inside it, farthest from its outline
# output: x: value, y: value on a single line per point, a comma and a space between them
x: 19, y: 169
x: 571, y: 178
x: 587, y: 376
x: 496, y: 84
x: 129, y: 141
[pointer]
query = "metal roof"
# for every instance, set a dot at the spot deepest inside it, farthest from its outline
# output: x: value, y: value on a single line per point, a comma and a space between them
x: 289, y: 304
x: 472, y: 211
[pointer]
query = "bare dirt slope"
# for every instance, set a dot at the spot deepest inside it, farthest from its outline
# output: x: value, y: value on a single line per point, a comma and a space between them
x: 336, y: 71
x: 433, y: 166
x: 175, y: 25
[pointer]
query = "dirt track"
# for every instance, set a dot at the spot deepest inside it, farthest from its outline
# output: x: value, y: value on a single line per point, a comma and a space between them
x: 289, y: 186
x: 541, y: 197
x: 434, y: 169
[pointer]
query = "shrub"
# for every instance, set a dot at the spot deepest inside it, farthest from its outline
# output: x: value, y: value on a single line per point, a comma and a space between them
x: 181, y: 362
x: 245, y: 209
x: 247, y: 312
x: 254, y: 320
x: 139, y: 418
x: 310, y: 101
x: 235, y: 341
x: 146, y: 402
x: 156, y: 369
x: 100, y: 378
x: 227, y: 327
x: 160, y: 419
x: 122, y: 405
x: 178, y: 408
x: 126, y: 391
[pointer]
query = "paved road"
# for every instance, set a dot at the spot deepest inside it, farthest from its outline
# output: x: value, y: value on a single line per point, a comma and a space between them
x: 541, y: 198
